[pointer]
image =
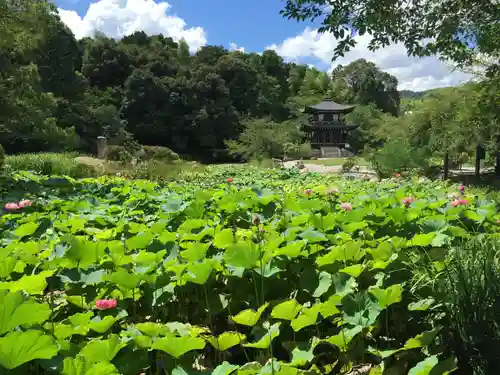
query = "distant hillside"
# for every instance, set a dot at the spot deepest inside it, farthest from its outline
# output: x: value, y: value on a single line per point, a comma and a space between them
x: 408, y: 94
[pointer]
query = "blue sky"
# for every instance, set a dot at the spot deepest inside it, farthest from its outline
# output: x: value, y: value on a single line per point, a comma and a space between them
x: 252, y: 25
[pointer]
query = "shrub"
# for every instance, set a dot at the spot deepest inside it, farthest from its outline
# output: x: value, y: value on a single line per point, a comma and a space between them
x: 119, y: 154
x: 159, y: 171
x: 398, y: 156
x: 264, y: 138
x: 63, y: 164
x: 349, y: 164
x: 158, y: 153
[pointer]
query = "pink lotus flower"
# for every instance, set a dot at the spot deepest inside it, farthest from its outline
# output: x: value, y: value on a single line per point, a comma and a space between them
x: 408, y: 201
x: 308, y: 191
x: 25, y: 203
x: 105, y: 304
x: 11, y: 206
x: 346, y: 206
x: 460, y: 202
x: 461, y: 188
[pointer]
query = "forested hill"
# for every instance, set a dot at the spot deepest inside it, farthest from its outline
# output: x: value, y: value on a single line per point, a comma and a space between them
x: 59, y: 93
x: 409, y: 94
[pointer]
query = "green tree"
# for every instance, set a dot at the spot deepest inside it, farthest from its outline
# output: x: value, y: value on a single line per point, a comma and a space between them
x: 241, y: 80
x: 361, y: 82
x: 214, y: 118
x: 425, y: 28
x: 264, y: 138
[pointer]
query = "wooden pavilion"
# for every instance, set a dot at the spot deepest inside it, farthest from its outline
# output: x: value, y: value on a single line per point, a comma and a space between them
x: 327, y: 126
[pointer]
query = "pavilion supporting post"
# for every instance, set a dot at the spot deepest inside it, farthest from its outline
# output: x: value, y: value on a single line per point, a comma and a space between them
x: 446, y: 169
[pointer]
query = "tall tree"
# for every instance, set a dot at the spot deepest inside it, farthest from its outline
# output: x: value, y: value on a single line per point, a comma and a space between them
x: 429, y: 27
x: 361, y: 82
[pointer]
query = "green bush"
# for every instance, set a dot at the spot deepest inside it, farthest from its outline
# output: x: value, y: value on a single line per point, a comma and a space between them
x: 399, y: 156
x: 63, y: 164
x: 263, y: 138
x: 119, y: 154
x: 349, y: 164
x: 158, y: 153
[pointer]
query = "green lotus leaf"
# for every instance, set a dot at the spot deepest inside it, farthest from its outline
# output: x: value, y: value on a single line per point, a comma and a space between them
x: 361, y: 309
x: 242, y: 254
x: 125, y: 279
x: 139, y: 241
x: 226, y: 340
x: 287, y: 310
x: 383, y: 251
x: 190, y: 225
x: 31, y: 284
x: 424, y: 367
x: 101, y: 325
x: 17, y: 348
x: 250, y: 368
x: 291, y: 250
x: 249, y: 317
x: 178, y: 346
x: 26, y: 229
x: 102, y: 350
x: 195, y: 251
x: 199, y: 273
x: 225, y: 368
x: 8, y: 265
x: 153, y: 329
x: 15, y: 311
x: 80, y: 366
x: 342, y: 339
x: 423, y: 239
x: 267, y: 337
x: 421, y: 305
x: 354, y: 270
x: 389, y: 296
x: 312, y: 236
x: 224, y: 238
x: 84, y: 253
x: 422, y: 339
x: 306, y: 318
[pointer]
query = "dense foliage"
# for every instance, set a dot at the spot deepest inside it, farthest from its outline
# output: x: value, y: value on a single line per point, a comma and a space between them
x: 259, y: 272
x: 58, y: 93
x: 457, y: 30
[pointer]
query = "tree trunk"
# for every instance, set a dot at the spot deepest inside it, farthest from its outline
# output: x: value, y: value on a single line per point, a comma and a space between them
x: 446, y: 166
x: 497, y: 165
x: 477, y: 169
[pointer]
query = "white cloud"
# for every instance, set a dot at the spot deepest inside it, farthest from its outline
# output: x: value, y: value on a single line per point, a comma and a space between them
x: 235, y: 47
x: 118, y: 18
x: 412, y: 73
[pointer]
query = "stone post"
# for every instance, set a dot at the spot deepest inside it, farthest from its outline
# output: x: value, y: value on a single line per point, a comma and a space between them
x: 102, y: 145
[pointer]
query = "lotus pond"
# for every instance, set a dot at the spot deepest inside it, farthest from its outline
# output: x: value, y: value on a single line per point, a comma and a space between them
x: 265, y: 274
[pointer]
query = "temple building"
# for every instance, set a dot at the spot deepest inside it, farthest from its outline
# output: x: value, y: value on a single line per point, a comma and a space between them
x: 327, y: 128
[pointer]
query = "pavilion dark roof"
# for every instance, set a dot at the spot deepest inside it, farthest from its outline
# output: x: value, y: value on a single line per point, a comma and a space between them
x: 329, y: 106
